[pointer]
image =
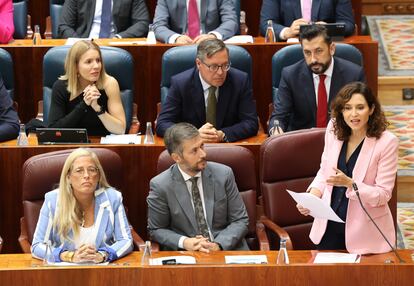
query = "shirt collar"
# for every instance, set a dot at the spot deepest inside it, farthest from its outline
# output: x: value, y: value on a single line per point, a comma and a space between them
x: 187, y: 176
x: 204, y: 84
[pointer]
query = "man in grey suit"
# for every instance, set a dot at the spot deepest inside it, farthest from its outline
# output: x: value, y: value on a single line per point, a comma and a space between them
x: 195, y: 205
x: 217, y: 18
x: 83, y: 18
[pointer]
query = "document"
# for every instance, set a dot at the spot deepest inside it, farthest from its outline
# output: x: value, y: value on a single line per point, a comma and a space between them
x: 246, y: 259
x: 240, y: 39
x: 173, y: 260
x: 336, y: 257
x: 318, y: 208
x: 121, y: 139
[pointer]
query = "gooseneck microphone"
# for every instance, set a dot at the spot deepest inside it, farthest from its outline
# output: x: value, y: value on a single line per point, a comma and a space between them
x: 355, y: 187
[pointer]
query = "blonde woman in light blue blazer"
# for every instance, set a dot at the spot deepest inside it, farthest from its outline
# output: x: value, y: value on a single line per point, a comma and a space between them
x: 84, y: 218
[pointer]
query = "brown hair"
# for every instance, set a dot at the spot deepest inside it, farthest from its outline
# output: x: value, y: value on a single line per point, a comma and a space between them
x: 376, y: 122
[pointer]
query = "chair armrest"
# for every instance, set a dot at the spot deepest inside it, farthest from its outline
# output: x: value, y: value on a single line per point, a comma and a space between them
x: 23, y: 238
x: 137, y: 240
x: 277, y: 230
x: 262, y: 236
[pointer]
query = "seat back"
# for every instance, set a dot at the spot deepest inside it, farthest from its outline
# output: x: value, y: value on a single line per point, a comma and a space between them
x: 20, y: 19
x: 55, y: 8
x: 179, y: 59
x: 118, y: 63
x: 241, y: 161
x: 41, y: 174
x: 289, y: 161
x: 293, y: 53
x: 6, y: 71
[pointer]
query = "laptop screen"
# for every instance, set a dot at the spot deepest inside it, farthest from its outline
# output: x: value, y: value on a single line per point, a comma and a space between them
x: 62, y: 136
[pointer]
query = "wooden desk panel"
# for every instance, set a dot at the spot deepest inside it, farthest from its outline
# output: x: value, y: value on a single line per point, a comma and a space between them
x: 21, y: 269
x: 139, y: 166
x: 28, y: 61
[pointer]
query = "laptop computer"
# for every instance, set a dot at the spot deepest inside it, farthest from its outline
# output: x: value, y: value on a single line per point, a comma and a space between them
x: 335, y: 30
x: 48, y: 136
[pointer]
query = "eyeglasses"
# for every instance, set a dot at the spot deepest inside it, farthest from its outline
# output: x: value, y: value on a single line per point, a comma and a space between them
x: 214, y: 67
x: 79, y: 172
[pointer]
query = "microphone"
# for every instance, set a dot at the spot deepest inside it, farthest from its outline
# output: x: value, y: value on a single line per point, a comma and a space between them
x: 355, y: 187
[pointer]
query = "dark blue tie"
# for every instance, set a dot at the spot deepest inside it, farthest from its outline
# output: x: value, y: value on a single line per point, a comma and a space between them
x: 106, y: 18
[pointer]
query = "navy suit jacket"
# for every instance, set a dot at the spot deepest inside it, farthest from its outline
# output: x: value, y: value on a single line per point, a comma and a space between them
x: 236, y: 109
x: 9, y: 121
x: 283, y: 13
x: 130, y: 17
x: 295, y: 103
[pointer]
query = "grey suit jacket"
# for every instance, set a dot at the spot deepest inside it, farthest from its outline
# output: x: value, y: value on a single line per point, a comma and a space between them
x: 130, y: 17
x: 171, y: 214
x: 216, y: 15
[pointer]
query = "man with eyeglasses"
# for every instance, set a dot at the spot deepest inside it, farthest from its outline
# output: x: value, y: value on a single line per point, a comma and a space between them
x: 212, y: 96
x: 307, y: 87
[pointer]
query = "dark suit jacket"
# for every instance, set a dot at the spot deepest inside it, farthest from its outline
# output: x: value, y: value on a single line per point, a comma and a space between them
x: 171, y: 214
x: 236, y: 109
x: 295, y: 103
x: 283, y: 13
x: 9, y: 121
x: 130, y: 17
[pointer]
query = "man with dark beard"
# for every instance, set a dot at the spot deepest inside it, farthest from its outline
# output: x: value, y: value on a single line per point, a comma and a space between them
x: 307, y: 87
x: 195, y: 205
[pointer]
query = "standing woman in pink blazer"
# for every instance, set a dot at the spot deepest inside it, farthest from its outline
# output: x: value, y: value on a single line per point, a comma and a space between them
x: 6, y: 21
x: 359, y: 154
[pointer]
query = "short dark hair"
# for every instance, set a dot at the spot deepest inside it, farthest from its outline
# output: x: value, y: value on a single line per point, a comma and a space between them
x: 377, y: 122
x: 210, y: 47
x: 310, y: 32
x: 176, y: 134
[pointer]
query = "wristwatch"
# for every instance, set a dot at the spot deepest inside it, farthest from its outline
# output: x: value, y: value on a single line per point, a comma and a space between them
x: 354, y: 186
x: 104, y: 255
x: 102, y: 111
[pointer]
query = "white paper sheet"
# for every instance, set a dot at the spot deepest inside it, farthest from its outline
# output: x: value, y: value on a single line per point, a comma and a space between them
x: 121, y: 139
x: 240, y: 39
x: 336, y: 257
x: 246, y: 259
x: 183, y: 259
x: 318, y: 208
x: 71, y: 41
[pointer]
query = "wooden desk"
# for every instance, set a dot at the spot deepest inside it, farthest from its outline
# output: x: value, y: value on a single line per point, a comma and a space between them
x: 21, y: 269
x: 28, y: 61
x: 139, y: 165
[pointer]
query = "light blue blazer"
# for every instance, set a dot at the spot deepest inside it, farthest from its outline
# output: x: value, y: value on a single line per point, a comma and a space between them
x: 113, y: 230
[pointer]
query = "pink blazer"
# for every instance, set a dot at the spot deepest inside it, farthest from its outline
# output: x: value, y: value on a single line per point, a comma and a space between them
x: 374, y: 173
x: 6, y: 21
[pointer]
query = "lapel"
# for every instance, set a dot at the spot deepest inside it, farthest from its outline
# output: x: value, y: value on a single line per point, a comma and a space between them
x: 89, y: 13
x: 197, y: 94
x: 364, y: 158
x: 208, y: 192
x: 306, y: 80
x: 297, y: 9
x: 336, y: 81
x: 102, y: 214
x: 116, y: 6
x: 203, y: 15
x: 225, y: 94
x: 183, y: 196
x: 316, y: 5
x: 333, y: 158
x: 180, y: 11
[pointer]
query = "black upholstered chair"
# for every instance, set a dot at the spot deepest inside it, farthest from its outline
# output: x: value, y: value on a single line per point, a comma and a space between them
x: 6, y: 71
x: 20, y: 18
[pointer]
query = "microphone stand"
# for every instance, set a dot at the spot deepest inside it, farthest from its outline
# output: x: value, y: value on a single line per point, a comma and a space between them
x: 385, y: 238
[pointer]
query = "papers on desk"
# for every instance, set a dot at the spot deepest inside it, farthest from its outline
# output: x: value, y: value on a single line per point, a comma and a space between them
x: 240, y: 39
x: 71, y: 41
x: 127, y: 43
x: 173, y: 260
x: 76, y: 264
x: 121, y: 139
x: 293, y: 40
x: 246, y: 259
x: 336, y: 257
x: 318, y: 208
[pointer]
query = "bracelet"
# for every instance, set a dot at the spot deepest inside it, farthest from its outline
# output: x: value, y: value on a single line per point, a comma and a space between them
x: 68, y: 257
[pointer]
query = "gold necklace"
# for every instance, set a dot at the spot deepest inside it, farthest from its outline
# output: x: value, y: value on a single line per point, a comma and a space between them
x: 83, y: 219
